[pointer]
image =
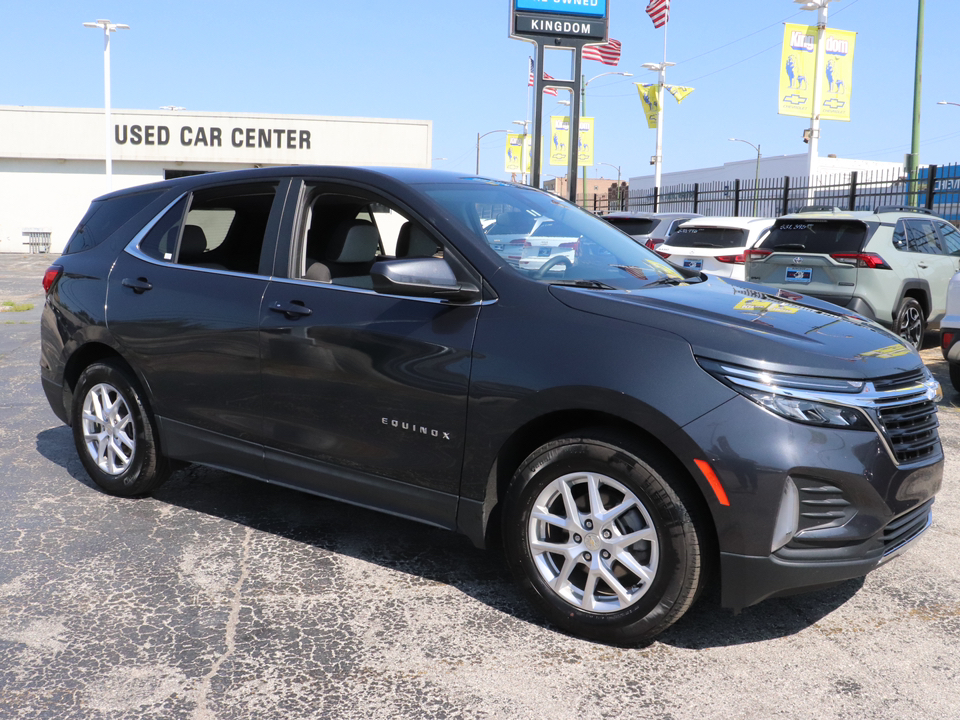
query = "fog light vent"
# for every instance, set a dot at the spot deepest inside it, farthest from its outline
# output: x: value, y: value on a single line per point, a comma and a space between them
x: 787, y: 516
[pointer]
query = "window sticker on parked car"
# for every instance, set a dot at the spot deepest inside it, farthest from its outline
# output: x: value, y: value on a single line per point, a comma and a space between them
x: 799, y: 275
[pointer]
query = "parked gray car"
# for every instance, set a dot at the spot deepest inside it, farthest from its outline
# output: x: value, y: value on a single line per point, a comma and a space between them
x: 649, y: 229
x: 891, y: 265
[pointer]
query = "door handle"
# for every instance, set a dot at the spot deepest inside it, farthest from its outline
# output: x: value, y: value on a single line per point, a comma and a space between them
x: 291, y: 309
x: 139, y: 286
x: 922, y: 265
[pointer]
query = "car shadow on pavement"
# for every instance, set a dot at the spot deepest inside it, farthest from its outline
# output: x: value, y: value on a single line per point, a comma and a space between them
x: 431, y: 553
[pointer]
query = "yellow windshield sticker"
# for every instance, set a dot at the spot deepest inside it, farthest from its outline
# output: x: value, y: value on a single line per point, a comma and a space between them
x: 886, y: 353
x: 752, y: 305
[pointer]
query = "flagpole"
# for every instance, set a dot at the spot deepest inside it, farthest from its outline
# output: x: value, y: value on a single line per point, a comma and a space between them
x: 527, y: 122
x: 663, y: 72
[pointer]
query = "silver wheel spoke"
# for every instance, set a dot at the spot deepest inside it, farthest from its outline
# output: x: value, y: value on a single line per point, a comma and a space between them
x: 630, y: 563
x: 108, y: 429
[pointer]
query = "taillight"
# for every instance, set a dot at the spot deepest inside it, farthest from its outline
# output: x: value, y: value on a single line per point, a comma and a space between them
x: 862, y: 260
x: 651, y: 243
x: 662, y: 254
x: 731, y: 259
x: 946, y: 340
x: 50, y: 277
x: 575, y: 246
x: 757, y: 254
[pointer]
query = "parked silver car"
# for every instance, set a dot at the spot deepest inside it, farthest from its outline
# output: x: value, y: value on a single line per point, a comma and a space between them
x: 649, y: 229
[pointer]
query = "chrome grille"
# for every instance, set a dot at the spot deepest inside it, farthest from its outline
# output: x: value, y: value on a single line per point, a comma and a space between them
x: 908, y: 417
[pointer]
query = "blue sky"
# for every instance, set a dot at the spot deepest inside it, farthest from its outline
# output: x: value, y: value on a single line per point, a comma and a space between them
x: 451, y: 62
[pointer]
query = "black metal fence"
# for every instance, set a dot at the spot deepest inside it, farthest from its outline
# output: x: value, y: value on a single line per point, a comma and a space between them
x: 936, y: 187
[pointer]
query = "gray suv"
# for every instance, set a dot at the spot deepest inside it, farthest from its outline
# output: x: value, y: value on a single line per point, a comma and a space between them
x: 891, y: 265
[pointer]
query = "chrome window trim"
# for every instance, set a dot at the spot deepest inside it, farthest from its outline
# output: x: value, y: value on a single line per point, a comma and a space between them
x: 365, y: 291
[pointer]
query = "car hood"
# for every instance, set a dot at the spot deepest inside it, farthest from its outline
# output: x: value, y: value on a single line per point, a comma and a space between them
x: 753, y: 325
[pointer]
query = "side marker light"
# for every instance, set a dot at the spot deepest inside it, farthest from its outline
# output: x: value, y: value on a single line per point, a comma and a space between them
x: 714, y: 481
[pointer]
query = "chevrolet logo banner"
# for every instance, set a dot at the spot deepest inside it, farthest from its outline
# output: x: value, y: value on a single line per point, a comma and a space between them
x: 650, y: 96
x: 797, y: 65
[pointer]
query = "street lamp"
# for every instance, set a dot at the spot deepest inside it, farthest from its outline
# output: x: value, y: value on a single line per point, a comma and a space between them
x: 583, y: 112
x: 478, y: 145
x: 946, y: 102
x: 813, y: 150
x: 756, y: 180
x: 172, y: 108
x: 617, y: 168
x: 523, y: 149
x: 107, y: 27
x: 660, y: 69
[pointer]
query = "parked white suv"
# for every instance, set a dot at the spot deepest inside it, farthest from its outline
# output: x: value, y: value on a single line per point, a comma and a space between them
x: 715, y: 245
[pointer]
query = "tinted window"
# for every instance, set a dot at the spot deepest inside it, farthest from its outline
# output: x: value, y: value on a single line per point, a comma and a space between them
x: 816, y: 236
x: 922, y: 237
x: 950, y: 238
x: 634, y: 226
x: 104, y: 217
x: 161, y: 242
x: 707, y: 237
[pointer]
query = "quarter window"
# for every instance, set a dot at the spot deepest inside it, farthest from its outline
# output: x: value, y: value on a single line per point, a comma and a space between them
x: 950, y: 238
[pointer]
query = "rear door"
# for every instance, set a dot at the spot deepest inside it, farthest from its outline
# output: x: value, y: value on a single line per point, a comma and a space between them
x: 808, y: 256
x: 933, y: 264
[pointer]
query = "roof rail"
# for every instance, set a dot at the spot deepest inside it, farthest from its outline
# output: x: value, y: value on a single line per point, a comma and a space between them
x: 819, y: 208
x: 903, y: 208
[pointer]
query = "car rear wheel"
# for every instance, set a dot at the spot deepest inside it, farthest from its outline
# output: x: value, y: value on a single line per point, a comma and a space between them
x: 602, y: 540
x: 909, y: 322
x: 114, y: 432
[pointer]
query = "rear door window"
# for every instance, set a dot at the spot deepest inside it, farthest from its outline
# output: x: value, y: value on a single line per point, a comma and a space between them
x: 816, y: 236
x: 922, y: 237
x: 949, y: 238
x: 707, y: 237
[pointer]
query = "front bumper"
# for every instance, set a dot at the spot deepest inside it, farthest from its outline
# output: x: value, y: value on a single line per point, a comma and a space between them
x: 856, y: 507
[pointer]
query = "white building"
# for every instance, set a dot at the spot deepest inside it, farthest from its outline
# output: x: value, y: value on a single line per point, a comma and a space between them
x: 777, y: 166
x: 53, y: 160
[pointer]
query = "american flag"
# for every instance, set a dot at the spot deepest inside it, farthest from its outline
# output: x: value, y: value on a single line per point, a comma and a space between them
x: 608, y: 54
x: 659, y: 12
x: 546, y: 76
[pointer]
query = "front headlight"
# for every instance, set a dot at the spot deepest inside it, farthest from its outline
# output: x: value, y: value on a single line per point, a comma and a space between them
x: 804, y: 399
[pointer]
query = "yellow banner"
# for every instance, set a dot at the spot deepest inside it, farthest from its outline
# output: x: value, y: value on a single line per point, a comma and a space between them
x: 650, y: 96
x: 557, y: 144
x: 837, y: 77
x: 679, y: 92
x: 518, y: 153
x: 797, y: 66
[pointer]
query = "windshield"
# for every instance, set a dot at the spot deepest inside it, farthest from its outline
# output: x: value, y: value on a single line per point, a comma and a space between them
x: 816, y: 236
x: 549, y: 240
x: 634, y: 226
x: 707, y: 237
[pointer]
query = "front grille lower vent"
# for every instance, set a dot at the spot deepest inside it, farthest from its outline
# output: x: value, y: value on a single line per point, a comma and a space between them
x: 904, y: 528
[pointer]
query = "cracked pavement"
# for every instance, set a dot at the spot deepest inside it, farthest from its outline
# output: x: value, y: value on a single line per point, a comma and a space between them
x: 220, y: 597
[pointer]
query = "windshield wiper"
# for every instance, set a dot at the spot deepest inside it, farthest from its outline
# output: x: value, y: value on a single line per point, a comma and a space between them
x: 706, y: 244
x: 790, y: 246
x: 676, y: 281
x: 595, y: 284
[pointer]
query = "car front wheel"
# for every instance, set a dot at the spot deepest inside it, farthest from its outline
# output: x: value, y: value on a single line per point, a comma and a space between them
x: 114, y: 432
x: 909, y: 323
x: 603, y: 541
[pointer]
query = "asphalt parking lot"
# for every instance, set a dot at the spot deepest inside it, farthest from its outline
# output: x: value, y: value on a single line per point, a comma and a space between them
x: 220, y: 597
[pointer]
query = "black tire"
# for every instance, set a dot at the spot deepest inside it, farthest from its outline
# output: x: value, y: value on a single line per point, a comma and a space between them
x: 955, y: 375
x: 909, y: 322
x: 114, y: 432
x: 671, y: 552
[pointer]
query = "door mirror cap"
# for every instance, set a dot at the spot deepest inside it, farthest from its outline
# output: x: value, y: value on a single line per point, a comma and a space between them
x: 421, y: 277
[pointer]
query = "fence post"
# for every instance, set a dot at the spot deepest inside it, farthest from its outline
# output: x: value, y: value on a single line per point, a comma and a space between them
x: 786, y: 195
x: 852, y: 204
x: 736, y: 197
x: 696, y: 196
x: 931, y: 183
x: 656, y: 199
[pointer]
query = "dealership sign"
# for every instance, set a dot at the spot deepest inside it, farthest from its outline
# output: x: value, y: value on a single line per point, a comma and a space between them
x: 573, y: 19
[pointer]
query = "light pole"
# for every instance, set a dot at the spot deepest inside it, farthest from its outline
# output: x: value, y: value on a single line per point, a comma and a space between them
x: 813, y: 150
x: 946, y: 102
x: 478, y: 145
x: 108, y: 27
x: 583, y: 112
x: 756, y: 180
x: 523, y: 150
x: 661, y: 70
x: 619, y: 198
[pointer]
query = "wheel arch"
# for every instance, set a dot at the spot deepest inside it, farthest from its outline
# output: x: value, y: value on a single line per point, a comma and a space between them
x: 557, y: 424
x: 917, y: 289
x: 82, y: 358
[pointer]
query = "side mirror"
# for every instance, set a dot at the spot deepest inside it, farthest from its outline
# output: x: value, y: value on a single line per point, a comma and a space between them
x: 421, y: 277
